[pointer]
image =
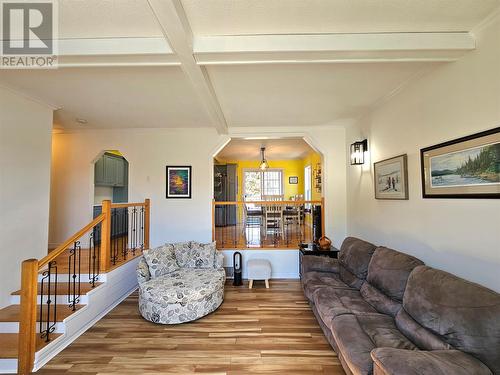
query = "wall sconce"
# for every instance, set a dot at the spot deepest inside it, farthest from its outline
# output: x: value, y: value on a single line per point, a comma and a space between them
x: 358, y: 150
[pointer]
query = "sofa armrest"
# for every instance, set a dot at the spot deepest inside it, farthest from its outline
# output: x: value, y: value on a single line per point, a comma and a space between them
x: 142, y: 271
x: 219, y: 259
x: 389, y: 361
x: 319, y: 263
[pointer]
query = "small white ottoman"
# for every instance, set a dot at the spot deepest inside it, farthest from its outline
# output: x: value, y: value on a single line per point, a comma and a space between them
x: 258, y: 269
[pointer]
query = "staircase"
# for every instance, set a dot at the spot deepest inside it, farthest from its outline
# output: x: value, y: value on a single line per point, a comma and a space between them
x: 68, y: 291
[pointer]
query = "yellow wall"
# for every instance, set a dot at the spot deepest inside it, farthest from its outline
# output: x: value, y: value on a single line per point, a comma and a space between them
x: 290, y: 168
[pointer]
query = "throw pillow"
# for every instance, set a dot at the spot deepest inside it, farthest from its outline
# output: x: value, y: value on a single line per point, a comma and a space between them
x: 161, y: 260
x: 182, y: 253
x: 197, y: 255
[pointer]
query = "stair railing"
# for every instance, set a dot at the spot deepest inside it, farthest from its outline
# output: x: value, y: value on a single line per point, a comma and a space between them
x: 121, y: 231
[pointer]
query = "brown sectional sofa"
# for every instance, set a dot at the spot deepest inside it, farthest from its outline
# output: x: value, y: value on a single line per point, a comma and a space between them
x: 385, y: 312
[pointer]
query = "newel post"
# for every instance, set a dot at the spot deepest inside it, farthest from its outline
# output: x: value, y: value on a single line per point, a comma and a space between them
x: 147, y: 222
x: 106, y: 236
x: 27, y: 321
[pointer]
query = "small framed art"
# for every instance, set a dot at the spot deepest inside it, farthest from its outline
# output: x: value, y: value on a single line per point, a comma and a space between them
x: 391, y: 178
x: 178, y: 182
x: 293, y: 180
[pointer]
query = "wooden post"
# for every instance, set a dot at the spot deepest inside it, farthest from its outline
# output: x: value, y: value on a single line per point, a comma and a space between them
x: 106, y: 236
x: 27, y: 321
x: 213, y: 220
x: 147, y: 222
x: 322, y: 216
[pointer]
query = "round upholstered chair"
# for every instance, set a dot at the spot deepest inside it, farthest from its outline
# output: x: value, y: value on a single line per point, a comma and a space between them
x: 179, y: 289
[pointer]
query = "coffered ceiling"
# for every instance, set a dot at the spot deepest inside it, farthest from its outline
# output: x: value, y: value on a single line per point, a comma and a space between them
x: 235, y: 63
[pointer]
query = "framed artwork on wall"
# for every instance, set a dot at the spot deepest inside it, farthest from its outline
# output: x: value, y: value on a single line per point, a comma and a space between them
x: 293, y: 180
x: 391, y: 178
x: 178, y: 182
x: 467, y: 167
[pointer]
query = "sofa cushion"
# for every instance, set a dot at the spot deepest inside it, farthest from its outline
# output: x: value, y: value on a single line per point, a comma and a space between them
x: 357, y: 335
x: 389, y: 361
x: 315, y: 280
x: 419, y: 335
x: 182, y: 252
x: 388, y: 273
x: 354, y: 258
x: 331, y: 303
x: 182, y: 286
x: 161, y: 260
x: 463, y: 314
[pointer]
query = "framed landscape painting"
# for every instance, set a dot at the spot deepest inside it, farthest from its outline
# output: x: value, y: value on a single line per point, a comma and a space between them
x: 391, y: 178
x: 467, y: 167
x: 178, y: 182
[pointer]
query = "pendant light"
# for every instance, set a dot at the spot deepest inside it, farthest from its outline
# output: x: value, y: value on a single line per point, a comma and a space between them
x: 263, y: 164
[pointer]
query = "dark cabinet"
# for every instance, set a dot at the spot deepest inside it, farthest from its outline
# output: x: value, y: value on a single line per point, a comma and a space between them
x: 110, y: 170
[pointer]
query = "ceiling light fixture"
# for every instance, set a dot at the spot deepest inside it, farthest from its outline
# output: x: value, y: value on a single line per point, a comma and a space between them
x: 263, y: 164
x: 81, y: 121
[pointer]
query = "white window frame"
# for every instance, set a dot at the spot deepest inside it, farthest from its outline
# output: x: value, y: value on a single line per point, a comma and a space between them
x: 281, y: 170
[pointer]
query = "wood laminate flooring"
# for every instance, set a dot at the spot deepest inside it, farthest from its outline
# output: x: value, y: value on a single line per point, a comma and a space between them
x: 258, y: 331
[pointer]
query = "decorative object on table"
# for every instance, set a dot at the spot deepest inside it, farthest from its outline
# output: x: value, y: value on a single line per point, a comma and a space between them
x: 258, y: 269
x: 317, y: 177
x: 358, y: 150
x: 293, y: 180
x: 324, y: 243
x: 391, y: 178
x: 178, y: 182
x: 467, y: 167
x: 238, y: 269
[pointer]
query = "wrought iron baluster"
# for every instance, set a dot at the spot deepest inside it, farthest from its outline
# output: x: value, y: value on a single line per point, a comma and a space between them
x: 94, y: 255
x: 48, y: 326
x: 124, y: 238
x: 114, y: 248
x: 141, y: 231
x: 74, y: 268
x: 134, y: 229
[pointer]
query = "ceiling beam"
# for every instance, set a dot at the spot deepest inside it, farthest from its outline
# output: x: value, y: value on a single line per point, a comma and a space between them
x: 265, y: 49
x: 175, y: 27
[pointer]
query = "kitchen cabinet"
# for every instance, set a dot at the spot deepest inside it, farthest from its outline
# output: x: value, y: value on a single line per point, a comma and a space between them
x: 110, y: 170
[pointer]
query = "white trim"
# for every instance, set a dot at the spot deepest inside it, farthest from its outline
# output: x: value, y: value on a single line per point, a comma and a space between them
x: 320, y: 48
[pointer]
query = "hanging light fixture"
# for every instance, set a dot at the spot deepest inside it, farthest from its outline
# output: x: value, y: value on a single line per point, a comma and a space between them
x: 263, y: 163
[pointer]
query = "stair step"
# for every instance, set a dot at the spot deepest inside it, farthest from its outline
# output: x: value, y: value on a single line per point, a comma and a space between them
x: 9, y: 343
x: 62, y: 288
x: 13, y: 312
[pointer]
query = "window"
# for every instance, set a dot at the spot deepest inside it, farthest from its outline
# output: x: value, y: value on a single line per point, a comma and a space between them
x: 258, y: 183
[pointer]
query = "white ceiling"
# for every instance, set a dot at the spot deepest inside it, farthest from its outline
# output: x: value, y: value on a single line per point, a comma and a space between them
x: 239, y: 17
x: 301, y: 94
x: 184, y: 63
x: 106, y: 18
x: 146, y: 97
x: 276, y: 149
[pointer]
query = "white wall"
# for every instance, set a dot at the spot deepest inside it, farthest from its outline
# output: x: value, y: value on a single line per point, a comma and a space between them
x: 148, y: 152
x: 25, y: 138
x: 453, y: 100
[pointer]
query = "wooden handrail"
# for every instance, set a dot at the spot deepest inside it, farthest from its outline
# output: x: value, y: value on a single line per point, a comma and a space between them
x: 123, y: 205
x: 60, y: 249
x: 31, y: 268
x: 228, y: 203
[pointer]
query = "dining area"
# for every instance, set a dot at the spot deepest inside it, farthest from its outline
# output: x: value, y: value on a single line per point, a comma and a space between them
x: 270, y: 222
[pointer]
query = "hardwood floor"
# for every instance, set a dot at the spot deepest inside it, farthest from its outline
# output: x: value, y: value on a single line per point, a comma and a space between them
x: 257, y: 331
